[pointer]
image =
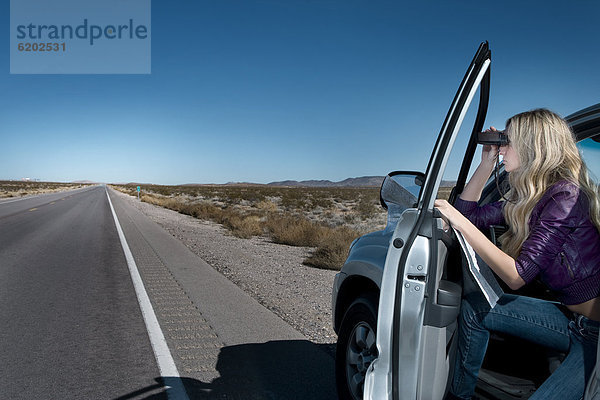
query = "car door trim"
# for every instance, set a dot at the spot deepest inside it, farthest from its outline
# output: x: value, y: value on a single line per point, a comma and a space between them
x: 479, y: 64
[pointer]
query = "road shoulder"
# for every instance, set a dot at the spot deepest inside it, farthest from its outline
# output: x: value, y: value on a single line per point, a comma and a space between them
x: 221, y: 338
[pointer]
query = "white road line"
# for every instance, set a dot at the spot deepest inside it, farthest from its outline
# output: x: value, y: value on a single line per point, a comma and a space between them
x: 166, y: 365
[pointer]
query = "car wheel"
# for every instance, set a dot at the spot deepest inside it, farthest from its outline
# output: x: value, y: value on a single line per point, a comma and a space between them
x: 356, y: 347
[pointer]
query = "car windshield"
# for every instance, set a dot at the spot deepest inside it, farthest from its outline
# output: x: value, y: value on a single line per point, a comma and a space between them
x: 457, y: 154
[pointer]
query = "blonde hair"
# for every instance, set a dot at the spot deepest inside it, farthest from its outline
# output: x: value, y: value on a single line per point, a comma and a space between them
x: 547, y: 153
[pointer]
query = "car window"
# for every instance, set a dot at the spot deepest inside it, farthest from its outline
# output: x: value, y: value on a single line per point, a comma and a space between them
x: 590, y: 151
x: 457, y: 154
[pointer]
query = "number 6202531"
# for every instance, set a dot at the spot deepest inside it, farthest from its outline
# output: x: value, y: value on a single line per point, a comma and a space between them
x: 41, y: 47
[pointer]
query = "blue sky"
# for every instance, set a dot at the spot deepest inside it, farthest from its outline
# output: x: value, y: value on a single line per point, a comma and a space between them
x: 267, y: 90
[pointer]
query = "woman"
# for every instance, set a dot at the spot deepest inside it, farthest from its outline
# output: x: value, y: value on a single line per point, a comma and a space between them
x: 553, y: 214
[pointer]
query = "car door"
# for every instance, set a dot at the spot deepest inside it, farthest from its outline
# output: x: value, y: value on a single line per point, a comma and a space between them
x: 417, y: 308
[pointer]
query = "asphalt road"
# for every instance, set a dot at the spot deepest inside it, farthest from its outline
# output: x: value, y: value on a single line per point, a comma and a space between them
x: 71, y: 325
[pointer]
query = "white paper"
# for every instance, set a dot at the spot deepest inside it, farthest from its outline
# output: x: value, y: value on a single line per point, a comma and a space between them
x: 488, y: 286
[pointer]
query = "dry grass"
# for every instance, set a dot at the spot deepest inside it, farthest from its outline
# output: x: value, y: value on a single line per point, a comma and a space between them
x: 25, y: 188
x: 328, y: 219
x: 444, y: 193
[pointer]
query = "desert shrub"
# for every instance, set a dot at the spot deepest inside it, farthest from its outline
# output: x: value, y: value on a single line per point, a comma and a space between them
x: 294, y: 201
x: 243, y: 226
x: 332, y: 249
x: 281, y: 213
x: 323, y: 202
x: 206, y: 210
x: 292, y: 230
x: 166, y: 202
x: 331, y: 243
x: 349, y: 218
x: 266, y: 206
x: 444, y: 192
x: 23, y: 188
x: 367, y: 205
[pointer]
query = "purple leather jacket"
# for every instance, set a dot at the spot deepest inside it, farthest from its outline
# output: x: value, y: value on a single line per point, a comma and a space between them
x: 563, y: 246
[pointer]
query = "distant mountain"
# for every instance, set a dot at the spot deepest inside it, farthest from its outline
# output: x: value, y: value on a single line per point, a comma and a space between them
x: 136, y: 184
x: 364, y: 181
x: 222, y: 184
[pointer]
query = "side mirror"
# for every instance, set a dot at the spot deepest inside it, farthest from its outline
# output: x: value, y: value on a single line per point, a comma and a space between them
x: 401, y: 189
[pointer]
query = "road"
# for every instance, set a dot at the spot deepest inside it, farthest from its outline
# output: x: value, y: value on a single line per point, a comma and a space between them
x: 71, y: 326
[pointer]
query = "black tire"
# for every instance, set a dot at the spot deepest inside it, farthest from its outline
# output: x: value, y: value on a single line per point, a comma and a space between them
x: 356, y: 347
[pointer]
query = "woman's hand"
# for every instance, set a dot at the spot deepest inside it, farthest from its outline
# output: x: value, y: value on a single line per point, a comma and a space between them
x: 451, y: 215
x: 473, y: 189
x: 489, y: 152
x: 502, y: 264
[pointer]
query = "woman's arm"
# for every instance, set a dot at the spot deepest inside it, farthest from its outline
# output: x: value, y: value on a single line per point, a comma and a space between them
x: 473, y: 189
x: 501, y: 263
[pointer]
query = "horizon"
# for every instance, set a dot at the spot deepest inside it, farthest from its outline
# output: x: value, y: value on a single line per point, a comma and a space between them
x: 263, y: 91
x: 292, y: 183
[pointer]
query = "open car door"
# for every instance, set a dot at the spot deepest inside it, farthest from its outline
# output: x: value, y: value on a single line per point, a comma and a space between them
x: 418, y: 308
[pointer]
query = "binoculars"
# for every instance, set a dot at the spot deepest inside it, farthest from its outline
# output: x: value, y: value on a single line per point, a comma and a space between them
x: 496, y: 138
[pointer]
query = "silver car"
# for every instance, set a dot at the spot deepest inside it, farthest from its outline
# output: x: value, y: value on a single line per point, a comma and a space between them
x: 397, y: 297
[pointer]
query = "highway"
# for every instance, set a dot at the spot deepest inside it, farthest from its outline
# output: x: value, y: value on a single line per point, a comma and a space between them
x: 73, y: 327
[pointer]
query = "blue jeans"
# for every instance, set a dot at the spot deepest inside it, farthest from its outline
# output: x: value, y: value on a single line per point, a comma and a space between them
x: 537, y: 321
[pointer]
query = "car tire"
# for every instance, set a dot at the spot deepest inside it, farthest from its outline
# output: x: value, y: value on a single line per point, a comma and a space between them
x: 356, y: 347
